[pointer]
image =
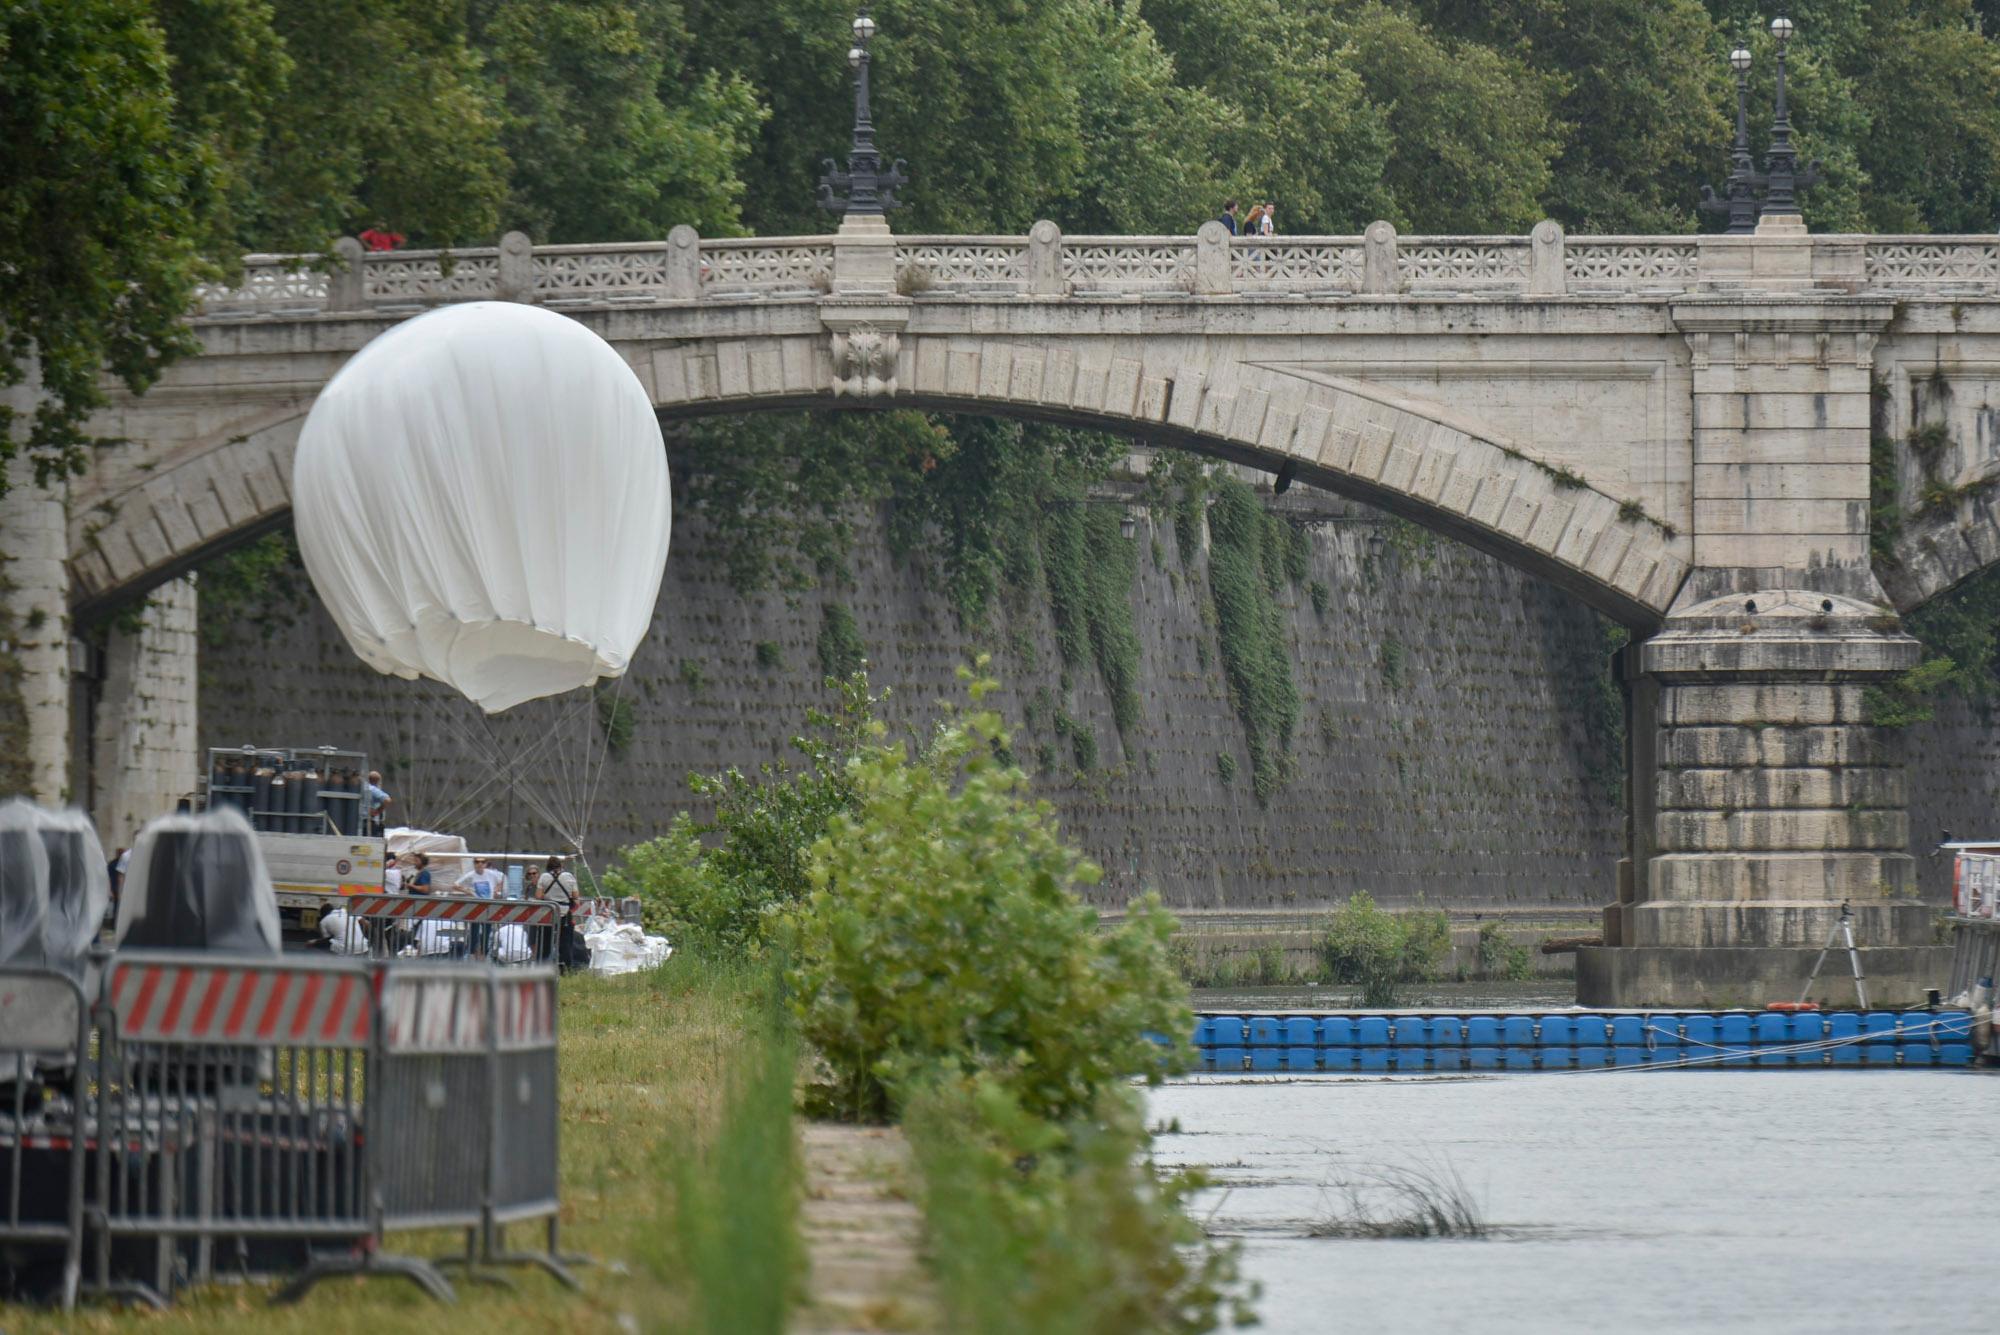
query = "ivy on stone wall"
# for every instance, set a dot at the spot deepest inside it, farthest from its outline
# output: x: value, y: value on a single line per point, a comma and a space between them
x: 841, y: 653
x: 1090, y: 566
x: 1958, y: 628
x: 261, y: 585
x: 1247, y: 568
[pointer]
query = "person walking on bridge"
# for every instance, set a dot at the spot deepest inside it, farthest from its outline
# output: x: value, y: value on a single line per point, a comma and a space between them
x: 1228, y: 218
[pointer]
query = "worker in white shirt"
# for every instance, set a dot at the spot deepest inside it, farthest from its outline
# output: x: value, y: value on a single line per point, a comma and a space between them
x: 342, y: 931
x: 482, y: 882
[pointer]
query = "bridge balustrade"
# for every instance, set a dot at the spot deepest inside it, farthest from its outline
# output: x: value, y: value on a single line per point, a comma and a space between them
x: 685, y: 267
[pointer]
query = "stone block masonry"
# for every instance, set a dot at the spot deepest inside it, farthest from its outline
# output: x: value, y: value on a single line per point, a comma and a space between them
x: 144, y: 736
x: 1445, y: 754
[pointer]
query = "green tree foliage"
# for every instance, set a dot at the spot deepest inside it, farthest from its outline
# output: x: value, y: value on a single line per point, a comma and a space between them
x: 1637, y: 91
x: 262, y: 584
x: 610, y: 136
x: 1379, y: 952
x: 1456, y: 112
x: 97, y: 227
x: 943, y: 935
x: 712, y: 886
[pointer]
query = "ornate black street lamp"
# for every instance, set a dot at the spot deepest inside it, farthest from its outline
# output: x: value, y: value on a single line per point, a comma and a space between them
x: 1783, y: 177
x: 866, y: 186
x: 1740, y: 201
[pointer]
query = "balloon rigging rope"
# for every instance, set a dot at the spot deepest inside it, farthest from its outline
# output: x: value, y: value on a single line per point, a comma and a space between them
x: 556, y: 773
x: 501, y: 772
x: 603, y: 754
x: 492, y: 753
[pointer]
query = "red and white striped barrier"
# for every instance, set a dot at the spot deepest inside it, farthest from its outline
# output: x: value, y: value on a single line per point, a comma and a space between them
x: 526, y: 1012
x: 434, y: 1011
x: 453, y: 908
x: 288, y: 1002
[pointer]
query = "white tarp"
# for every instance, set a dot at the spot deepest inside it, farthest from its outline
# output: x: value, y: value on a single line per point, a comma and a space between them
x: 481, y: 497
x: 618, y: 948
x: 447, y: 853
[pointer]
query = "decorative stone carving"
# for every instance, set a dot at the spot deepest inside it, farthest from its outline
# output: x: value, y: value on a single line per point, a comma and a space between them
x: 864, y: 362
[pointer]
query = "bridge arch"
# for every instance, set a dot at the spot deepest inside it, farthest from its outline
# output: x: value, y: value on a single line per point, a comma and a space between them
x: 1417, y: 459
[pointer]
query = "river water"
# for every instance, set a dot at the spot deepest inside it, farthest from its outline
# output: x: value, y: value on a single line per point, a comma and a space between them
x: 1753, y: 1201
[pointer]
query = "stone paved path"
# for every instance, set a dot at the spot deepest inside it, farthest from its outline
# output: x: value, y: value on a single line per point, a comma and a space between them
x: 863, y: 1232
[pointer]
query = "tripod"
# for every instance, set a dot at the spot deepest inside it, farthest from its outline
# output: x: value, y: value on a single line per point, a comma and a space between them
x: 1843, y: 928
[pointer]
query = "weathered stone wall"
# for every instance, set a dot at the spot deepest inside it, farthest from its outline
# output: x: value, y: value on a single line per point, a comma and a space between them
x: 1954, y: 765
x: 144, y: 737
x: 1445, y: 753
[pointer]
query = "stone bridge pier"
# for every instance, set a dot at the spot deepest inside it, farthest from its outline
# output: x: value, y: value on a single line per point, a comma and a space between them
x: 1763, y: 804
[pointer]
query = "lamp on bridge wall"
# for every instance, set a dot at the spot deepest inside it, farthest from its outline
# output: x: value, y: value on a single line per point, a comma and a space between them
x: 866, y: 186
x: 1783, y: 177
x: 1740, y: 199
x: 1751, y: 196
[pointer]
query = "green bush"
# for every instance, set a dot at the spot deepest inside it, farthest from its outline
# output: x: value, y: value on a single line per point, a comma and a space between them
x: 1499, y: 957
x: 942, y: 934
x: 711, y: 887
x: 1060, y: 1229
x: 1380, y: 952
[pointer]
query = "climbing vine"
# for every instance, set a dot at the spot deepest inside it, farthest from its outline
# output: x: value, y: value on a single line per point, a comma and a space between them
x: 1957, y: 629
x: 1247, y: 568
x: 262, y: 583
x: 841, y: 652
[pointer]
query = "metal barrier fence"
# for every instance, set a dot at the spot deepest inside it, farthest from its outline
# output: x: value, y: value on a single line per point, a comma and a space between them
x: 274, y: 1115
x: 469, y: 1118
x: 46, y: 1022
x: 505, y: 931
x: 229, y: 1121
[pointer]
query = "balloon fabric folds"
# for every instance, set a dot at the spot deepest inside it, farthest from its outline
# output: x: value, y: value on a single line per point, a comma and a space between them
x: 481, y: 497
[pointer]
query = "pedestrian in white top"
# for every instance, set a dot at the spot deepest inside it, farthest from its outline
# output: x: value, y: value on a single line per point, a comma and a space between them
x: 481, y: 883
x: 392, y: 876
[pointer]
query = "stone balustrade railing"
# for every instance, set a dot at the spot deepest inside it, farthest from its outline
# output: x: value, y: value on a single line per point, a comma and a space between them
x: 1379, y: 263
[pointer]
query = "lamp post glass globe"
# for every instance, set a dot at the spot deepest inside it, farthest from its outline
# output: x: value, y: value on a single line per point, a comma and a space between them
x: 1739, y: 60
x: 864, y: 28
x: 855, y: 55
x: 1781, y: 28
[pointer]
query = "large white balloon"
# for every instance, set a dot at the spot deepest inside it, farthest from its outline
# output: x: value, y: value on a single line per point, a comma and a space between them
x: 481, y: 497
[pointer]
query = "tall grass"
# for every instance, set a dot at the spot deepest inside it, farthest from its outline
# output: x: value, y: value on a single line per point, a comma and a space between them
x: 1039, y: 1228
x: 1403, y: 1202
x: 727, y: 1234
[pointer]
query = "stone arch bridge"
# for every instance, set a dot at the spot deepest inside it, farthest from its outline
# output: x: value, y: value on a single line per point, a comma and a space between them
x: 1678, y: 430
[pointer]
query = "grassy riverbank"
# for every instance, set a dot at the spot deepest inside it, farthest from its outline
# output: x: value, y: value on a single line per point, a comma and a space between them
x: 650, y: 1065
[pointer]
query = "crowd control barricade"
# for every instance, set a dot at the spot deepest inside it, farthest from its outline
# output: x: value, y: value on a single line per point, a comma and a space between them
x: 437, y: 927
x: 526, y: 1118
x: 44, y: 1047
x: 230, y: 1123
x: 468, y: 1106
